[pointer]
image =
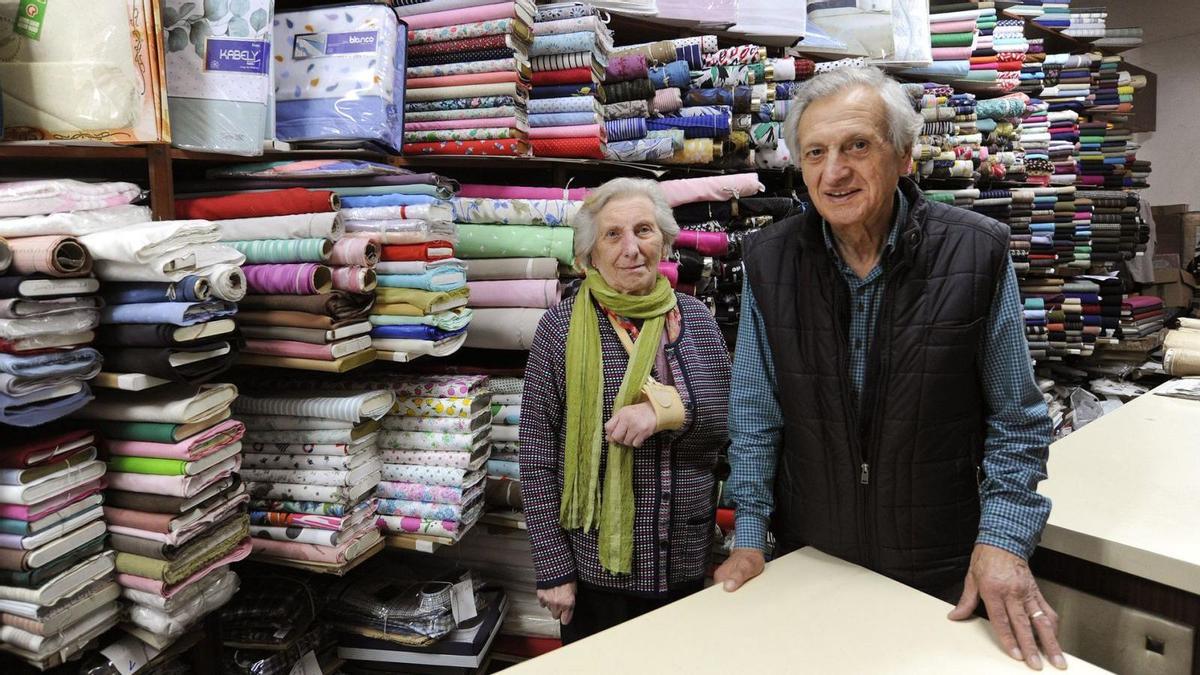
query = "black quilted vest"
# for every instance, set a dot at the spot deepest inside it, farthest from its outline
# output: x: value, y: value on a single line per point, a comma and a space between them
x: 892, y: 486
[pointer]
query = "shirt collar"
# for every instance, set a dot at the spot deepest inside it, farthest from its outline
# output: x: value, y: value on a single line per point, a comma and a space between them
x: 901, y: 204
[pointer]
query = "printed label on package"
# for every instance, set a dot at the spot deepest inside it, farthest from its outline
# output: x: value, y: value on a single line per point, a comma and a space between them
x: 237, y: 56
x: 30, y: 16
x: 316, y: 45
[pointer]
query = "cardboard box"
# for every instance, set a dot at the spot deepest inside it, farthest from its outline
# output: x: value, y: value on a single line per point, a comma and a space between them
x: 1168, y: 229
x: 1177, y: 293
x: 1166, y: 266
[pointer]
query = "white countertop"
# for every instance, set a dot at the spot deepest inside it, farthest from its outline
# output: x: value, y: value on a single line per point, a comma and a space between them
x: 807, y: 613
x: 1126, y: 491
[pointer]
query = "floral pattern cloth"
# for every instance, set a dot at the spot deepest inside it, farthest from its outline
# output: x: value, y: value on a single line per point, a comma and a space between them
x: 475, y: 134
x: 565, y: 43
x: 464, y: 68
x: 311, y: 461
x: 426, y: 526
x: 549, y: 212
x: 450, y: 459
x: 300, y: 449
x: 506, y: 414
x: 425, y: 475
x: 419, y: 509
x: 316, y: 521
x: 461, y: 103
x: 446, y: 425
x: 416, y: 492
x: 475, y: 29
x: 317, y: 493
x: 417, y: 406
x: 312, y: 508
x: 427, y: 440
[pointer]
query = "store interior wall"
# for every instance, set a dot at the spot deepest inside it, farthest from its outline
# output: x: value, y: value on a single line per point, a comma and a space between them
x: 1172, y: 51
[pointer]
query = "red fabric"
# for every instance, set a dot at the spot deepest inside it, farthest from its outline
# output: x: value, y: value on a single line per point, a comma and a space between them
x: 21, y: 445
x: 725, y: 519
x: 408, y: 252
x: 569, y: 76
x: 582, y: 148
x: 289, y: 202
x: 527, y: 647
x: 505, y: 146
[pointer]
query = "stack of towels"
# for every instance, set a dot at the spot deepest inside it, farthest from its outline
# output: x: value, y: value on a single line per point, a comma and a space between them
x: 58, y: 589
x: 305, y: 281
x: 311, y: 469
x: 175, y: 507
x: 468, y: 77
x: 48, y: 304
x: 434, y: 450
x: 570, y: 52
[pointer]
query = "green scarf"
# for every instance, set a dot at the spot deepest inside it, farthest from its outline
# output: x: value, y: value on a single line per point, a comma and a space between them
x: 582, y: 505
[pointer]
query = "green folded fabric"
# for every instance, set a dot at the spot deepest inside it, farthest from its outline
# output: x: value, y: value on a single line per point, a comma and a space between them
x: 40, y: 575
x: 17, y: 527
x: 192, y: 558
x: 422, y: 300
x: 283, y: 250
x: 151, y: 432
x: 964, y: 39
x: 515, y: 241
x: 151, y: 465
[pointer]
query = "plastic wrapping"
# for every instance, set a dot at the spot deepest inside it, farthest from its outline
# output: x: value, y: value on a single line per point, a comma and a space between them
x: 174, y: 623
x: 218, y: 57
x: 339, y: 75
x: 78, y: 321
x: 397, y: 607
x: 89, y: 74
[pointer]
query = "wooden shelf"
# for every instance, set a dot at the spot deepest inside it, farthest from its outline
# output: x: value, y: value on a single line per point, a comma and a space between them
x: 54, y: 150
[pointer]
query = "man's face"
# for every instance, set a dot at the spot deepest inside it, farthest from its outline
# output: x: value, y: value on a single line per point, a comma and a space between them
x: 849, y: 164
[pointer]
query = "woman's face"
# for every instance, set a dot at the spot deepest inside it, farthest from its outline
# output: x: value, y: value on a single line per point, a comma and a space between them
x: 629, y: 245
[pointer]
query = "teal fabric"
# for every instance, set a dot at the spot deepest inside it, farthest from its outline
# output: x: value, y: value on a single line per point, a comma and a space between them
x: 282, y: 250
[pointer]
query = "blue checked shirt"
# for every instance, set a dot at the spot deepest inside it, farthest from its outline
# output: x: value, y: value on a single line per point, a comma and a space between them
x: 1019, y: 428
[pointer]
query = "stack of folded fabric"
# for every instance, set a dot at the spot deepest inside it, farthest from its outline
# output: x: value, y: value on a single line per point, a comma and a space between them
x: 569, y: 52
x: 1081, y: 309
x: 166, y: 317
x: 503, y: 489
x: 1141, y: 315
x: 434, y: 451
x: 766, y: 132
x: 1034, y: 137
x: 955, y: 32
x: 1054, y: 14
x: 1087, y: 24
x: 339, y: 76
x: 1032, y: 69
x: 1120, y: 38
x: 57, y: 584
x: 628, y: 93
x: 506, y: 309
x: 175, y: 506
x: 311, y: 468
x: 999, y: 121
x: 468, y: 77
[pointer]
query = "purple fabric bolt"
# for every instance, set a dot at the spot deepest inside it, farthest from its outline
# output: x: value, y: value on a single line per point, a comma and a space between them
x: 297, y: 279
x: 628, y: 67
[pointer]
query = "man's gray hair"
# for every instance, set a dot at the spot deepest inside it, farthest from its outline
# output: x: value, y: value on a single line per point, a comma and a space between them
x: 903, y: 121
x: 584, y: 222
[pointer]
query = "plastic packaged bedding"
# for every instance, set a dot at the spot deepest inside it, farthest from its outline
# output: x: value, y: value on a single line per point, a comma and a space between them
x: 339, y: 75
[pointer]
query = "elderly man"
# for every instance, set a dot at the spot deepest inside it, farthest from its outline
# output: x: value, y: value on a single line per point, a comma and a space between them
x: 883, y: 407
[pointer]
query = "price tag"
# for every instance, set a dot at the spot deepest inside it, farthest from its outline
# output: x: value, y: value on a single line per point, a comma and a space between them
x: 307, y: 665
x: 128, y: 655
x: 462, y: 600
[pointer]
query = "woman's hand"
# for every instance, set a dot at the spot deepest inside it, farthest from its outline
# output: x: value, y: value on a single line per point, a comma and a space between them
x: 632, y: 425
x: 560, y: 600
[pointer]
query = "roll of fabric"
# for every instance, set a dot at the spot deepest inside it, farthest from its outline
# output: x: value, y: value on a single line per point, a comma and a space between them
x: 160, y: 362
x: 462, y: 68
x: 453, y: 106
x: 5, y: 255
x: 298, y: 279
x: 739, y: 55
x: 569, y: 131
x: 189, y: 289
x: 564, y: 119
x: 227, y: 282
x: 354, y: 279
x: 709, y: 97
x: 698, y: 126
x: 565, y: 104
x: 460, y: 15
x: 52, y: 255
x: 325, y: 225
x: 662, y: 51
x: 456, y: 47
x: 436, y: 279
x: 548, y: 62
x: 482, y: 210
x: 711, y: 188
x: 626, y: 109
x: 697, y: 110
x: 708, y: 243
x: 642, y: 150
x: 338, y: 305
x: 469, y: 56
x: 512, y: 90
x: 580, y: 148
x: 563, y: 43
x: 590, y: 23
x: 479, y: 190
x: 514, y: 293
x: 353, y: 251
x: 694, y: 151
x: 628, y: 67
x: 625, y: 129
x: 466, y: 31
x: 630, y: 90
x: 288, y: 202
x: 284, y: 250
x: 504, y: 147
x: 564, y: 76
x: 510, y: 328
x: 177, y: 313
x: 429, y: 250
x: 666, y: 101
x: 722, y: 76
x: 463, y: 79
x: 38, y: 197
x: 785, y: 69
x: 516, y: 241
x: 588, y: 88
x: 675, y: 74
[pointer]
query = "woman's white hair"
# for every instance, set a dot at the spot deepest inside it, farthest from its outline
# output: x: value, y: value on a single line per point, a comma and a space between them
x: 584, y: 222
x: 903, y: 121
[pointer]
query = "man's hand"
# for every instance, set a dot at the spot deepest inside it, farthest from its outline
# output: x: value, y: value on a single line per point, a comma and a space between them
x: 742, y: 565
x: 560, y: 600
x: 632, y: 425
x: 1015, y: 606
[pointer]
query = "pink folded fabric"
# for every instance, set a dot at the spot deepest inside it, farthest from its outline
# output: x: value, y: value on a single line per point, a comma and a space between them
x: 42, y: 509
x: 667, y: 100
x: 160, y: 588
x: 708, y: 243
x: 951, y: 26
x: 192, y: 530
x: 483, y: 123
x: 498, y: 77
x: 298, y: 350
x: 199, y: 446
x: 538, y: 293
x: 710, y: 188
x: 479, y: 190
x: 354, y: 279
x: 574, y: 131
x: 952, y: 53
x: 141, y: 520
x: 361, y: 252
x: 53, y: 255
x: 455, y: 17
x: 290, y: 279
x: 173, y: 486
x: 670, y: 270
x: 331, y: 555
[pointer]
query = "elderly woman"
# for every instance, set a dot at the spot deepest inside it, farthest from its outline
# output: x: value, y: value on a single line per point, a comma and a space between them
x: 622, y: 417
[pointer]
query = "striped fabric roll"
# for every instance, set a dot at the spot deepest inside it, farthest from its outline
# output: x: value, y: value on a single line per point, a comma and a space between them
x: 700, y: 126
x: 690, y: 53
x: 347, y: 407
x: 628, y: 129
x: 283, y: 250
x: 548, y: 62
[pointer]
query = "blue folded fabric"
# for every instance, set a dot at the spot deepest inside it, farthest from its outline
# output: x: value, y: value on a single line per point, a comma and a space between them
x: 562, y: 119
x: 674, y: 74
x: 504, y: 469
x: 18, y: 414
x: 561, y: 104
x: 348, y: 118
x: 698, y: 126
x: 691, y: 54
x: 177, y: 313
x: 55, y: 364
x: 416, y: 331
x: 628, y: 129
x: 441, y: 279
x: 189, y: 289
x: 360, y: 201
